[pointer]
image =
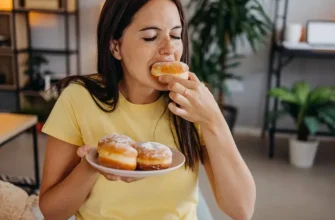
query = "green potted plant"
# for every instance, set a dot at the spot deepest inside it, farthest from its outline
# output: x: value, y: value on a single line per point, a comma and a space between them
x: 309, y: 108
x: 36, y: 77
x: 216, y: 27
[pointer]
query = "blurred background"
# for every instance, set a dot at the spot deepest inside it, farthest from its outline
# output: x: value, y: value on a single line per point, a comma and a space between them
x: 269, y: 63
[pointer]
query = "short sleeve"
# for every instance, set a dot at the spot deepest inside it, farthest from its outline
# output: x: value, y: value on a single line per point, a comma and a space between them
x: 62, y: 122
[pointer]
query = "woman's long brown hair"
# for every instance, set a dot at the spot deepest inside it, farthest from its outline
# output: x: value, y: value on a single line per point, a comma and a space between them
x: 115, y: 16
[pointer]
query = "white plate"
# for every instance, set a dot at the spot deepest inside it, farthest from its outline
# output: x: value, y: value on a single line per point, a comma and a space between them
x: 178, y: 160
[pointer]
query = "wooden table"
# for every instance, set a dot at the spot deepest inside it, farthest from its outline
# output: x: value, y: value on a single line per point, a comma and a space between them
x: 13, y: 125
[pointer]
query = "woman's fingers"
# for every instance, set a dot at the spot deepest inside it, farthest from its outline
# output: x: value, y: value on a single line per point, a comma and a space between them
x: 180, y: 100
x: 176, y: 110
x: 176, y: 87
x: 194, y: 77
x: 130, y: 179
x: 112, y: 177
x: 173, y: 79
x: 82, y: 151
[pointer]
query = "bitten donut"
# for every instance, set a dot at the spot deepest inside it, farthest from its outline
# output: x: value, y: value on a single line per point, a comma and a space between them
x: 153, y: 156
x: 175, y: 68
x: 116, y: 151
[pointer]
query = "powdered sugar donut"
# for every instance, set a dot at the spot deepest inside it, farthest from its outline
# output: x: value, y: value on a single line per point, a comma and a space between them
x: 116, y: 151
x: 153, y: 156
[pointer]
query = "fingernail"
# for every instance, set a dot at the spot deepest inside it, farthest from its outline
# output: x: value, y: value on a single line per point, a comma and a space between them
x: 160, y: 78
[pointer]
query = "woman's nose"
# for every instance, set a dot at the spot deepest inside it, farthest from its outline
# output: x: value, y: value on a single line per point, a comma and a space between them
x: 167, y: 47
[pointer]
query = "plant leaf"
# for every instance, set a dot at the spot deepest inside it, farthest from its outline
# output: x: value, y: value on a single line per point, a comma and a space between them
x: 283, y: 94
x: 263, y: 13
x: 232, y: 65
x: 328, y: 110
x: 215, y: 28
x: 332, y: 96
x: 301, y: 91
x: 329, y: 121
x: 327, y: 115
x: 320, y: 96
x: 292, y: 108
x: 313, y: 124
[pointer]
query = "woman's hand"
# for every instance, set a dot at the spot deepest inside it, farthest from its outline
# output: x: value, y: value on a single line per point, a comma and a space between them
x: 82, y: 151
x: 192, y: 100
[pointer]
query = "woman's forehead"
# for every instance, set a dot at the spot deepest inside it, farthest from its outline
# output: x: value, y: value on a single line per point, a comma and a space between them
x: 158, y: 13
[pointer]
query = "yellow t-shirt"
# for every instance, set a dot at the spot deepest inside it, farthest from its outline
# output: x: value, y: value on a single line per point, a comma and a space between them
x: 77, y: 119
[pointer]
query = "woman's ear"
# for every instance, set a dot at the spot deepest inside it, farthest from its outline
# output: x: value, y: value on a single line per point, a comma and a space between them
x: 114, y: 47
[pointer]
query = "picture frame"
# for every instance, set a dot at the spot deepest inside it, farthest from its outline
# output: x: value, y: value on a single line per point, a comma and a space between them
x: 320, y: 32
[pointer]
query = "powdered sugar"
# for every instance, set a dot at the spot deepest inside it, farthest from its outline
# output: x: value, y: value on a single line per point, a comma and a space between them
x: 118, y: 141
x: 116, y: 138
x: 153, y: 150
x: 152, y: 146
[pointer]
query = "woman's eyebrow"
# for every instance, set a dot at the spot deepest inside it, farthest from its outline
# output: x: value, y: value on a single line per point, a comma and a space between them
x: 156, y: 28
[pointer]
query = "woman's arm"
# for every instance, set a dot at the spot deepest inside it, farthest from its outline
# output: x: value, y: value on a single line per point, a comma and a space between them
x: 232, y: 183
x: 66, y: 181
x: 231, y: 180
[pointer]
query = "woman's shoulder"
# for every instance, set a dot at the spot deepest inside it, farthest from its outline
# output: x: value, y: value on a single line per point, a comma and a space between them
x: 75, y: 88
x: 74, y: 93
x: 76, y: 85
x: 80, y: 92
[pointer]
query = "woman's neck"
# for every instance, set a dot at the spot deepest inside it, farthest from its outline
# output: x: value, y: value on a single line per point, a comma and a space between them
x: 138, y: 94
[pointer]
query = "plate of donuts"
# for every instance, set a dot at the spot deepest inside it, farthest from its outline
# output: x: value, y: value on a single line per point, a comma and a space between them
x: 120, y: 155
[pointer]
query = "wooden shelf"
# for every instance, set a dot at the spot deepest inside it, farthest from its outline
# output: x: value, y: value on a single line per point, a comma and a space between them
x: 310, y: 53
x: 7, y: 70
x: 31, y: 93
x: 7, y: 87
x: 47, y: 51
x: 7, y: 12
x: 6, y: 51
x: 17, y: 24
x: 45, y: 11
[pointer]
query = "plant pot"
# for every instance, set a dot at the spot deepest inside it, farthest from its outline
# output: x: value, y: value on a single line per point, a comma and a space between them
x: 302, y: 153
x: 230, y: 114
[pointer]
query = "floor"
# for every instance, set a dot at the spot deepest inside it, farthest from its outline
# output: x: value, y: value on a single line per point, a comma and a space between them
x: 283, y: 192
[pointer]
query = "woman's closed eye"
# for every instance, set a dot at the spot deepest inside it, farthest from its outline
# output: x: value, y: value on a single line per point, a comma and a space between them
x: 175, y: 37
x: 155, y: 37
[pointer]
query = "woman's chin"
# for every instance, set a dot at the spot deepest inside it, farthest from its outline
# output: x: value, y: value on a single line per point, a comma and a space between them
x: 160, y: 87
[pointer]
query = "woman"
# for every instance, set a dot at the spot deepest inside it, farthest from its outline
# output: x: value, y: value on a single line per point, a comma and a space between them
x: 124, y: 98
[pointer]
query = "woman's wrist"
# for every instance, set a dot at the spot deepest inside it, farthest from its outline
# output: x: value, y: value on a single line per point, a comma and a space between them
x: 215, y: 124
x: 87, y: 167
